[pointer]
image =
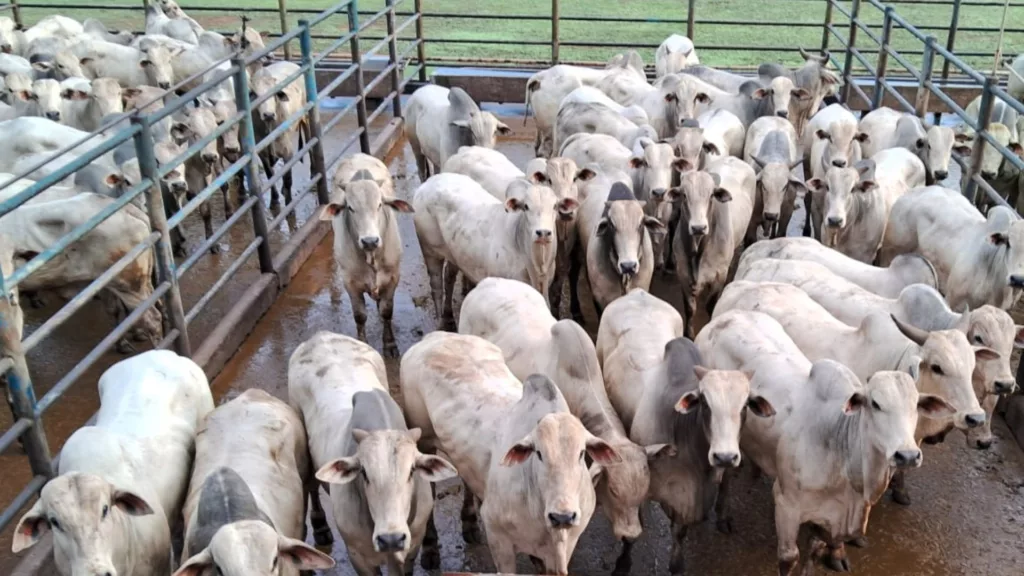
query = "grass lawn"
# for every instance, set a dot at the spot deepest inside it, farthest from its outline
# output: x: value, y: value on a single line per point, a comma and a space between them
x: 720, y: 24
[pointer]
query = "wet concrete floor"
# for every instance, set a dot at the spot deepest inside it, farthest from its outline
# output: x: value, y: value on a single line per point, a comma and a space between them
x: 967, y: 516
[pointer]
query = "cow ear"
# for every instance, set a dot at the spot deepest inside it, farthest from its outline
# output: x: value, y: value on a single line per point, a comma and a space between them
x: 42, y: 66
x: 760, y: 406
x: 130, y: 92
x: 601, y: 451
x: 340, y: 471
x: 962, y: 137
x: 659, y: 451
x: 653, y: 224
x: 503, y: 129
x: 331, y: 210
x: 984, y: 353
x: 722, y: 195
x: 1018, y: 339
x: 682, y: 165
x: 434, y: 469
x: 759, y: 94
x: 798, y: 187
x: 962, y: 149
x: 866, y: 185
x: 539, y: 177
x: 514, y: 204
x: 999, y: 238
x: 687, y: 402
x: 855, y: 402
x: 934, y: 406
x: 196, y: 565
x: 585, y: 174
x: 603, y: 226
x: 920, y: 143
x: 30, y: 528
x: 596, y: 472
x: 800, y: 93
x: 862, y: 137
x: 519, y: 452
x: 399, y: 205
x: 301, y: 555
x: 181, y: 131
x: 1016, y: 148
x: 85, y: 61
x: 822, y: 135
x: 130, y: 503
x: 114, y: 179
x: 637, y: 162
x: 142, y: 63
x: 816, y: 184
x: 671, y: 97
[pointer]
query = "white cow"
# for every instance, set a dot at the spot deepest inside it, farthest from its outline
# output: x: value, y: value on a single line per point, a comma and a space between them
x: 723, y: 129
x: 516, y: 446
x: 122, y: 481
x: 772, y: 149
x: 129, y: 66
x: 888, y: 128
x: 245, y: 512
x: 978, y: 260
x: 674, y: 54
x: 360, y: 444
x: 458, y: 222
x: 272, y: 113
x: 516, y: 318
x: 672, y: 99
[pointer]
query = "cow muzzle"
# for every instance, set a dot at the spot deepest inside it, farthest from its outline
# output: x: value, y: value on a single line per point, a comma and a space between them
x: 232, y: 154
x: 1016, y: 281
x: 1003, y: 386
x: 974, y: 420
x: 563, y: 520
x: 542, y: 236
x: 393, y: 542
x: 267, y: 118
x: 369, y: 243
x: 839, y: 163
x: 782, y: 113
x: 910, y: 458
x: 210, y: 158
x: 941, y: 175
x: 987, y: 175
x: 725, y: 459
x: 163, y: 85
x: 835, y: 222
x: 53, y: 115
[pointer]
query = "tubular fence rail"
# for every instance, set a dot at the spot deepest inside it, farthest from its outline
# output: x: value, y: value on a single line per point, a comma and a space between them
x: 28, y: 410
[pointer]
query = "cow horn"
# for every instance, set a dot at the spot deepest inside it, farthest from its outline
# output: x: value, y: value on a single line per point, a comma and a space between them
x: 915, y: 334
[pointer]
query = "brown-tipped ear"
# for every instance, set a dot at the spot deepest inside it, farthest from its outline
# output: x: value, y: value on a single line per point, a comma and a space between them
x: 331, y: 210
x: 962, y: 149
x: 301, y: 555
x: 688, y: 402
x: 518, y: 453
x: 862, y: 137
x: 855, y: 402
x: 637, y: 162
x: 816, y: 184
x: 435, y: 469
x: 702, y: 98
x: 503, y: 129
x: 399, y: 205
x: 585, y: 174
x: 999, y: 238
x: 865, y: 185
x: 682, y: 165
x: 722, y: 195
x: 30, y: 528
x: 539, y: 177
x: 130, y: 503
x: 659, y: 451
x: 653, y: 224
x: 1016, y: 148
x: 800, y: 93
x: 822, y: 135
x: 934, y: 406
x: 710, y: 148
x: 602, y: 452
x: 340, y: 471
x: 984, y: 353
x: 760, y: 406
x: 513, y: 204
x: 85, y: 61
x: 113, y: 180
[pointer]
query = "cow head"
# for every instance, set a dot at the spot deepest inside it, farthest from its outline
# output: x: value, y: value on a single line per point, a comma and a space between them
x: 780, y: 91
x: 174, y: 181
x: 197, y: 124
x: 107, y: 96
x: 841, y: 142
x: 991, y: 327
x: 253, y: 547
x: 935, y: 150
x: 944, y: 365
x: 682, y: 96
x: 1006, y: 235
x: 66, y: 65
x: 625, y: 229
x: 87, y: 516
x: 156, y: 62
x: 387, y: 464
x: 228, y: 145
x: 556, y: 449
x: 697, y: 190
x: 691, y: 147
x: 727, y: 396
x: 622, y: 488
x: 47, y: 99
x: 838, y: 190
x: 364, y: 209
x: 776, y: 183
x: 538, y: 208
x: 483, y: 127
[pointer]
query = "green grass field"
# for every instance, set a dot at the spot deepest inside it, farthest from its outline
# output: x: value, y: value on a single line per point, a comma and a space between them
x: 803, y: 18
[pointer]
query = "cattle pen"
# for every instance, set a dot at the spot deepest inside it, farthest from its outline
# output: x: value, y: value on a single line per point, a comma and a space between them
x: 243, y: 296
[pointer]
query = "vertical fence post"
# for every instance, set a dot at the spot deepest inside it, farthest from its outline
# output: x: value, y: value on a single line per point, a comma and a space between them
x: 396, y: 73
x: 421, y: 48
x: 282, y: 11
x: 253, y: 184
x: 954, y: 25
x: 555, y: 20
x: 883, y: 59
x: 691, y: 14
x: 316, y: 153
x: 923, y: 91
x: 850, y: 43
x: 165, y: 267
x: 825, y: 32
x: 16, y: 10
x: 22, y: 396
x: 357, y: 60
x: 984, y: 117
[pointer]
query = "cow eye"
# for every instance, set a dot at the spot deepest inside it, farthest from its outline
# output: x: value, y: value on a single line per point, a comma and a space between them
x: 539, y: 456
x: 253, y: 95
x: 274, y: 565
x: 583, y: 454
x: 365, y: 477
x: 937, y: 369
x: 876, y: 406
x: 106, y: 510
x: 978, y: 340
x: 55, y: 525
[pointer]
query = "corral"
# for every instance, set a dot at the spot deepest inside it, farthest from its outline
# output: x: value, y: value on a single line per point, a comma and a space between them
x: 240, y: 317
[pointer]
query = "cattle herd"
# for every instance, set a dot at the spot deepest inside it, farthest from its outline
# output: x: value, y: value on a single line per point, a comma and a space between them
x: 825, y: 362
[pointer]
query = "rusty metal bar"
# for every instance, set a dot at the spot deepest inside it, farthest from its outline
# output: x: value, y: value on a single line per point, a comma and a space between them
x: 829, y: 4
x: 316, y: 154
x: 923, y: 92
x: 158, y: 220
x: 691, y: 13
x: 984, y: 117
x: 554, y: 31
x: 396, y: 75
x: 883, y: 59
x: 421, y: 50
x: 357, y: 60
x: 850, y: 43
x: 253, y: 185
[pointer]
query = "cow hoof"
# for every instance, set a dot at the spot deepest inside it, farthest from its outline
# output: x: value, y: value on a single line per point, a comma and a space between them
x: 430, y: 558
x: 836, y: 564
x: 448, y: 325
x: 677, y: 566
x: 390, y: 350
x: 472, y: 534
x: 215, y: 249
x: 724, y: 525
x: 901, y: 497
x: 179, y: 252
x: 125, y: 347
x: 623, y: 565
x: 859, y: 542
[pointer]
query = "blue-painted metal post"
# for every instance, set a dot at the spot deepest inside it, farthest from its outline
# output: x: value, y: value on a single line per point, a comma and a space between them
x: 396, y: 72
x: 253, y: 184
x: 984, y: 117
x: 158, y: 220
x: 923, y: 91
x: 20, y: 394
x: 850, y: 43
x: 316, y: 153
x: 883, y: 59
x: 357, y: 60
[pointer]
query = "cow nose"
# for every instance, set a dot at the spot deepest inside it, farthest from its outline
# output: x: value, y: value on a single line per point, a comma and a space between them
x: 179, y: 187
x: 391, y: 542
x: 369, y: 242
x: 988, y: 175
x: 163, y: 85
x: 232, y: 150
x: 835, y: 221
x: 698, y: 229
x: 658, y: 192
x: 941, y: 174
x: 839, y: 163
x: 726, y: 459
x: 268, y: 118
x: 628, y: 268
x: 1017, y: 280
x: 771, y: 216
x: 543, y: 235
x: 983, y: 443
x: 907, y: 458
x: 561, y: 519
x: 54, y: 115
x: 782, y: 114
x: 1004, y: 387
x: 974, y: 420
x: 209, y: 158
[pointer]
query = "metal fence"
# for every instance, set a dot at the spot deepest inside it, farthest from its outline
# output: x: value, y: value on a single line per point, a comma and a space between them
x: 171, y: 276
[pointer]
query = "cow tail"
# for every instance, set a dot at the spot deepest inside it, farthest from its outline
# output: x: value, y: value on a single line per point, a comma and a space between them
x: 303, y: 131
x: 531, y: 87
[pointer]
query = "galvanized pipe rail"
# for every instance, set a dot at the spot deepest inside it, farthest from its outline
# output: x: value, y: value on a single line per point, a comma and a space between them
x: 170, y: 275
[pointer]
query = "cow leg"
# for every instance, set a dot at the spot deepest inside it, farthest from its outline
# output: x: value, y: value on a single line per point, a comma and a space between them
x: 899, y: 489
x: 448, y: 314
x: 555, y: 291
x: 624, y: 563
x: 286, y: 186
x: 471, y: 532
x: 435, y: 273
x: 358, y: 310
x: 178, y: 243
x: 268, y: 168
x: 317, y: 517
x: 723, y: 522
x: 503, y: 552
x: 807, y: 215
x: 207, y: 214
x: 575, y: 265
x: 386, y: 307
x: 430, y: 559
x: 538, y: 565
x: 467, y: 285
x: 225, y: 190
x: 787, y: 528
x: 677, y: 559
x: 836, y: 559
